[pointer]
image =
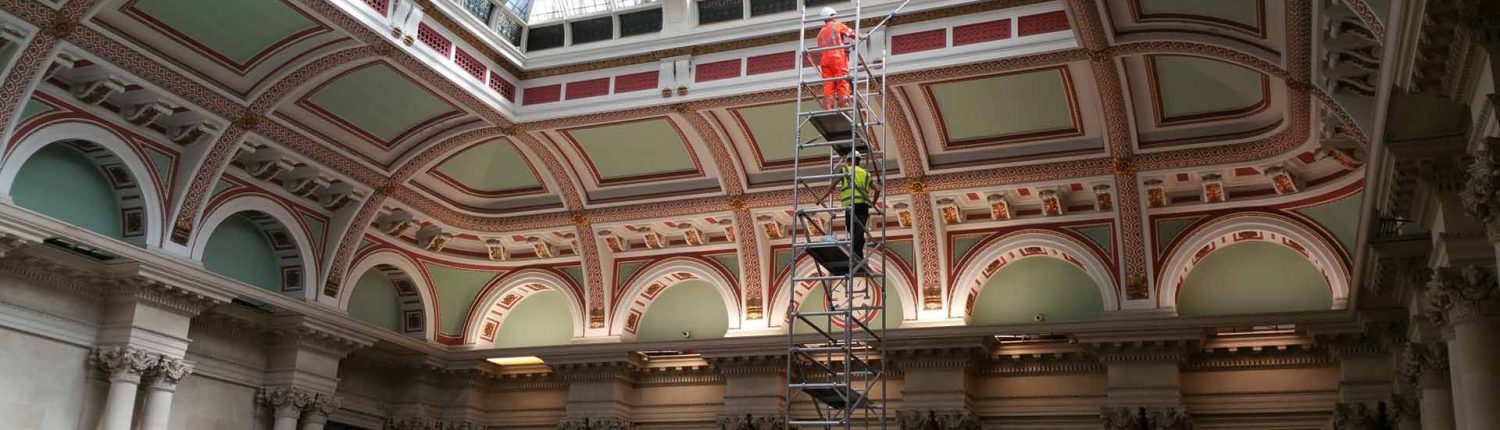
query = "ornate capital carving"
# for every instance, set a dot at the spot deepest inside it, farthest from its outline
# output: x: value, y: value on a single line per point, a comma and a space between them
x: 124, y: 363
x: 1405, y: 407
x: 1360, y: 416
x: 1378, y: 338
x: 1459, y: 294
x: 167, y: 372
x: 321, y: 406
x: 605, y: 423
x: 285, y: 401
x: 419, y: 423
x: 751, y: 422
x: 1146, y: 417
x: 1425, y: 366
x: 937, y: 420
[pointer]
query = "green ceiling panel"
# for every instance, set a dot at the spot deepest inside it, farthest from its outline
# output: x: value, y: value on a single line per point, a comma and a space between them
x: 317, y: 227
x: 1242, y: 12
x: 374, y: 301
x: 624, y: 271
x: 1193, y: 85
x: 962, y: 244
x: 903, y: 248
x: 729, y: 261
x: 635, y: 148
x: 1049, y: 286
x: 813, y: 302
x: 774, y: 132
x: 1026, y: 102
x: 162, y: 161
x: 575, y: 273
x: 237, y: 29
x: 64, y: 184
x: 380, y: 100
x: 239, y: 250
x: 1340, y: 217
x: 490, y: 166
x: 692, y: 306
x: 1236, y: 280
x: 1098, y: 234
x: 456, y: 291
x: 221, y: 186
x: 33, y: 108
x: 541, y: 319
x: 782, y: 258
x: 1167, y: 230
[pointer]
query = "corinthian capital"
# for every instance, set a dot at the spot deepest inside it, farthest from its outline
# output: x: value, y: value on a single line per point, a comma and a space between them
x: 605, y: 423
x: 937, y: 420
x: 1425, y: 365
x: 751, y: 422
x: 1481, y: 194
x: 124, y: 362
x: 285, y: 400
x: 1149, y: 417
x: 168, y: 371
x: 1458, y: 294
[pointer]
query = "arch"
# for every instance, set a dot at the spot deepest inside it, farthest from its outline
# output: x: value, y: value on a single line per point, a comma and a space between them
x: 657, y: 277
x: 1224, y: 231
x: 1000, y: 250
x: 493, y: 305
x: 275, y: 221
x: 412, y: 285
x: 134, y: 185
x: 899, y: 282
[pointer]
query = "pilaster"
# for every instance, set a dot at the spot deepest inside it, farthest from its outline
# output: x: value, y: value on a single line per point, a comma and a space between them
x: 303, y: 353
x: 754, y: 386
x: 601, y: 389
x: 937, y: 376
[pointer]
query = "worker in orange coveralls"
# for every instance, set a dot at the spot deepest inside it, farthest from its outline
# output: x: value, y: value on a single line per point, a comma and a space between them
x: 834, y: 63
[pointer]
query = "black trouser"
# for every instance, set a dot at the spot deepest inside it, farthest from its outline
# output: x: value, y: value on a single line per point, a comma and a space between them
x: 857, y: 230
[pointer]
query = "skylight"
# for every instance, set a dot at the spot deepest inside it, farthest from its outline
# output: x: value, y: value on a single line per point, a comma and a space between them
x: 538, y: 11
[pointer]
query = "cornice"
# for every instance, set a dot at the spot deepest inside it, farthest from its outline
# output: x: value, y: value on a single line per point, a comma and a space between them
x: 1259, y: 358
x: 1040, y: 364
x: 1176, y: 350
x: 307, y: 333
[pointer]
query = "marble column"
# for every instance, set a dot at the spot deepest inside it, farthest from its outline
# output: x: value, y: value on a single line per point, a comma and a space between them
x: 286, y: 405
x: 161, y: 382
x: 1425, y: 368
x: 124, y: 367
x: 317, y: 411
x: 1464, y: 302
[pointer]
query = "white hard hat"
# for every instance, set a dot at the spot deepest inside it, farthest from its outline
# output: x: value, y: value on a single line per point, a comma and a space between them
x: 828, y: 12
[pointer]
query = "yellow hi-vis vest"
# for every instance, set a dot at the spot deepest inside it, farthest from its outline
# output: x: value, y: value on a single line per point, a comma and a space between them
x: 861, y: 190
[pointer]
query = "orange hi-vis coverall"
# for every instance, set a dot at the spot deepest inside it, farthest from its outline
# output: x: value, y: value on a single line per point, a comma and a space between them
x: 834, y: 63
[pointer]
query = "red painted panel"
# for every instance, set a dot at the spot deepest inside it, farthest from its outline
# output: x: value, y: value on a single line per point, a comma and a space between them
x: 381, y: 6
x: 919, y: 41
x: 636, y: 82
x: 470, y: 64
x: 1182, y: 177
x: 543, y: 94
x: 1076, y: 187
x: 770, y: 63
x: 1023, y: 191
x: 1307, y: 157
x: 1042, y: 23
x: 1245, y: 171
x: 588, y: 88
x: 502, y: 86
x: 433, y: 39
x: 981, y: 32
x: 717, y: 70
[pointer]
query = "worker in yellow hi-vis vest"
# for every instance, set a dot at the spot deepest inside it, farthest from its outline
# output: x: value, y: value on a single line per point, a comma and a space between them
x: 857, y: 195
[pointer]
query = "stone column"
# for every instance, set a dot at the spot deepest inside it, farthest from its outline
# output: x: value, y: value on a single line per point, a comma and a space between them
x: 1464, y: 302
x: 1366, y: 375
x: 601, y: 390
x: 936, y: 379
x: 286, y: 405
x: 1144, y: 386
x: 317, y: 411
x: 124, y: 367
x: 161, y: 382
x: 1425, y: 369
x: 754, y: 388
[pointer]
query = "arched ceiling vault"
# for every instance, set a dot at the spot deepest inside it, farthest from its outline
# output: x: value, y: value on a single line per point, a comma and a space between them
x: 306, y: 85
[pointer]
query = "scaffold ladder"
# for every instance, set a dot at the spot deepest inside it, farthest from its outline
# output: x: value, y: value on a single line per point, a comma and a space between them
x: 835, y: 371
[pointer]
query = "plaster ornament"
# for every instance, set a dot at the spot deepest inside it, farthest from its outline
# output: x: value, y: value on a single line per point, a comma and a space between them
x: 1282, y: 180
x: 145, y: 114
x: 1213, y: 188
x: 1104, y: 200
x: 496, y: 249
x: 613, y: 241
x: 693, y: 236
x: 96, y: 91
x: 751, y: 422
x: 652, y: 239
x: 949, y: 210
x: 1051, y: 202
x: 168, y: 371
x: 903, y: 215
x: 999, y: 207
x: 1455, y: 295
x: 936, y: 420
x: 124, y: 362
x: 1156, y: 193
x: 540, y: 247
x: 1149, y: 417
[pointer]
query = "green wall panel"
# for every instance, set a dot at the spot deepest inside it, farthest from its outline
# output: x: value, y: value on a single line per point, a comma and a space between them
x: 1052, y: 287
x: 1340, y: 217
x: 238, y: 249
x: 62, y: 183
x: 1253, y: 277
x: 456, y: 292
x: 374, y: 301
x: 813, y: 302
x: 539, y: 320
x: 693, y: 306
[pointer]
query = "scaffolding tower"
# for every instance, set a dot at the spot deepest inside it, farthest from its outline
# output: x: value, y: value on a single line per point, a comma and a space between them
x: 834, y: 363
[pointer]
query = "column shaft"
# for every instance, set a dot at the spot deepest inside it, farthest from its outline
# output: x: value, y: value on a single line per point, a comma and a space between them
x: 286, y: 418
x: 1474, y: 356
x: 119, y: 406
x: 1437, y: 408
x: 158, y: 408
